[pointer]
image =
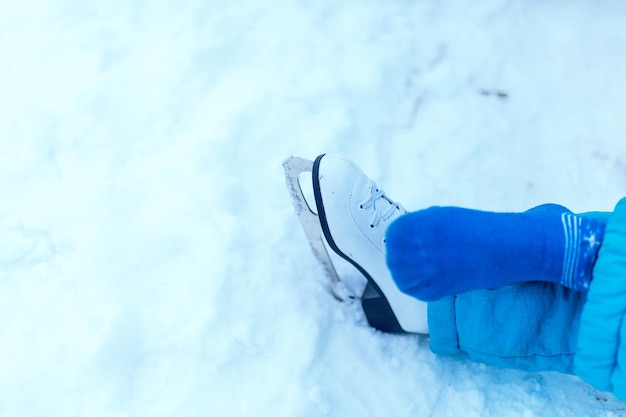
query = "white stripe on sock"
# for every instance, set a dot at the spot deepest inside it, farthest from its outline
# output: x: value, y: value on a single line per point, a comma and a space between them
x: 571, y: 258
x: 566, y: 252
x: 577, y: 257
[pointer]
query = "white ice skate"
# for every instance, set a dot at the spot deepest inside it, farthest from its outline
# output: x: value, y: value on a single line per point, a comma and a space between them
x: 350, y: 217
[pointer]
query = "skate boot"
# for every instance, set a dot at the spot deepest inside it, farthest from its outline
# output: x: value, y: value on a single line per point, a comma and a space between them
x: 354, y: 215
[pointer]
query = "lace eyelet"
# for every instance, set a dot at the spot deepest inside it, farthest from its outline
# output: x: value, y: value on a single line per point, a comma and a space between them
x: 372, y: 226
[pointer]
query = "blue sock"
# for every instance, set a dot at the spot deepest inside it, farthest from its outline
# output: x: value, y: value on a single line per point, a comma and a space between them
x: 445, y: 251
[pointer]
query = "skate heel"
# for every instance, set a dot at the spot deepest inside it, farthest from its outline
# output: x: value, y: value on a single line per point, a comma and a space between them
x: 378, y: 311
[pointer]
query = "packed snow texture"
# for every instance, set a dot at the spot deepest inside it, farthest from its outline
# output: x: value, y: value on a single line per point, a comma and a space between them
x: 150, y: 260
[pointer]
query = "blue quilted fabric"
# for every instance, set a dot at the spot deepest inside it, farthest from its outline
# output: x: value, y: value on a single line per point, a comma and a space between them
x: 601, y: 354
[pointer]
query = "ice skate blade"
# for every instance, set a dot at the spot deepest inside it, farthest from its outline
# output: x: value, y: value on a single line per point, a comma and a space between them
x: 294, y: 167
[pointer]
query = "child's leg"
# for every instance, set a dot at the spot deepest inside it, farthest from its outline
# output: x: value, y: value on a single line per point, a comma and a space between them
x: 445, y: 251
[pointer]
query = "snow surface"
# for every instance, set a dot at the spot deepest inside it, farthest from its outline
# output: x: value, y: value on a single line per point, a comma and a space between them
x: 150, y: 260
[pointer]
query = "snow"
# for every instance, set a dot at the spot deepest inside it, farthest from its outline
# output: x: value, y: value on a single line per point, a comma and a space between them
x: 150, y: 260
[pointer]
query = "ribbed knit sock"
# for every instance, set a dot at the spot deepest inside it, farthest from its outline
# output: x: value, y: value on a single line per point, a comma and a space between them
x: 445, y: 251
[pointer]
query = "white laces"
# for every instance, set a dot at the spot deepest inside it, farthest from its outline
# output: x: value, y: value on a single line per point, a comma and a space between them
x: 374, y: 196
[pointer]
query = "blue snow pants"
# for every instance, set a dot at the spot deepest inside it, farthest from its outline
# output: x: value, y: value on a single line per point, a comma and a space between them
x: 539, y: 326
x: 531, y: 326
